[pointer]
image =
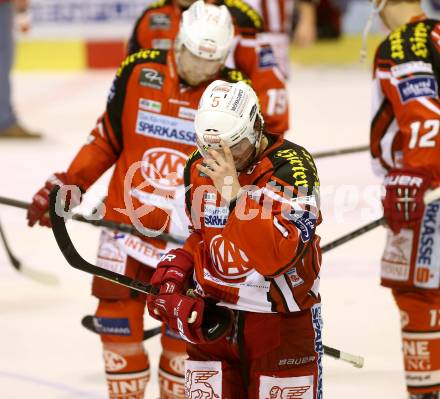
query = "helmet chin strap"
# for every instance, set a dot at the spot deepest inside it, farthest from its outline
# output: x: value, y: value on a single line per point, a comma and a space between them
x: 259, y: 134
x: 375, y: 10
x: 257, y: 147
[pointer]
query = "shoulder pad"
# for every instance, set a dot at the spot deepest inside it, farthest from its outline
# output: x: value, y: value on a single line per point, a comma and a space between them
x: 145, y: 55
x: 234, y: 75
x: 244, y: 15
x: 158, y: 4
x: 409, y: 42
x: 294, y: 165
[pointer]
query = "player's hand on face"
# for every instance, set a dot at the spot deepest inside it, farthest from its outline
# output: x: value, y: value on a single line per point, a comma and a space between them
x: 221, y: 169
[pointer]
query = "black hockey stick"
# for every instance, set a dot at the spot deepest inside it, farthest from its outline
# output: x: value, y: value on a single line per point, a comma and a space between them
x: 35, y: 275
x: 357, y: 361
x: 90, y: 323
x: 431, y: 196
x: 342, y: 151
x: 216, y: 320
x: 353, y: 234
x: 124, y: 228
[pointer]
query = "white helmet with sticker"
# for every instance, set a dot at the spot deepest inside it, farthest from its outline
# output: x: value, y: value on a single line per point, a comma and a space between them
x: 206, y: 31
x: 228, y: 112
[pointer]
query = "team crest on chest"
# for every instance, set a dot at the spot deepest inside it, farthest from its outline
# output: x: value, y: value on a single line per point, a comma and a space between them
x: 229, y: 261
x: 163, y: 167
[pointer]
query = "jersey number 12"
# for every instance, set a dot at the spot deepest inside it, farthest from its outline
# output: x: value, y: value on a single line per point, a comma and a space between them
x: 425, y: 140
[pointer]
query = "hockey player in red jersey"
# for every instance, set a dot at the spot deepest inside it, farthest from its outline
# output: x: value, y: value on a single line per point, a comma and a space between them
x: 147, y: 133
x: 253, y: 202
x: 157, y: 28
x: 405, y: 145
x: 278, y: 18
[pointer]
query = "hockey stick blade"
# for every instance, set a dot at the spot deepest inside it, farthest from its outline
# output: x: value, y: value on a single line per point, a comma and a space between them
x: 216, y: 321
x: 90, y: 324
x: 356, y: 361
x: 38, y: 276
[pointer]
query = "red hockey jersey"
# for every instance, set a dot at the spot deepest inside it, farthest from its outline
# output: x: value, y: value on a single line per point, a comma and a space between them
x: 406, y: 121
x: 263, y: 254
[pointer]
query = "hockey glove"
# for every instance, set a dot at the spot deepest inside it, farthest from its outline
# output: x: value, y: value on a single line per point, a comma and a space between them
x: 182, y: 314
x: 170, y: 276
x: 403, y: 203
x: 38, y: 211
x: 173, y: 271
x: 190, y: 317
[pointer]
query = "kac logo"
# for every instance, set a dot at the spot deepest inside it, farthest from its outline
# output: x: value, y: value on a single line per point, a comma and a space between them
x: 113, y: 361
x: 163, y: 167
x: 229, y: 261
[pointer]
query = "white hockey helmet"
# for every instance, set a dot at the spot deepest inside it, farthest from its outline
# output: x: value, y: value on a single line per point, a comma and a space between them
x: 206, y: 31
x: 228, y: 112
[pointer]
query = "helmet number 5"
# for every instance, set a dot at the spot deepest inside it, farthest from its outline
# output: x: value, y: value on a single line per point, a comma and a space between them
x: 215, y: 101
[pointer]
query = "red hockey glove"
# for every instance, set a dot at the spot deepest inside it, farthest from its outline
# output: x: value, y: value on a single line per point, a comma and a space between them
x: 38, y: 211
x: 182, y: 314
x: 172, y: 271
x: 170, y: 276
x: 403, y: 203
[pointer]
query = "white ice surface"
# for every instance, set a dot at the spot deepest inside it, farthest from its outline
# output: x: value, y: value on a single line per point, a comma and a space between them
x: 44, y: 351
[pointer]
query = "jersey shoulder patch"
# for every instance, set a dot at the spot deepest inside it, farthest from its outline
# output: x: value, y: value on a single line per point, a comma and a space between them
x: 234, y: 75
x: 145, y: 55
x: 294, y: 165
x: 244, y: 15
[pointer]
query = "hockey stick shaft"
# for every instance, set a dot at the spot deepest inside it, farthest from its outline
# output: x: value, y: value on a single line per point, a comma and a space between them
x: 214, y: 328
x: 13, y: 260
x: 357, y: 361
x: 431, y: 196
x: 354, y: 234
x: 75, y: 260
x: 342, y: 151
x: 124, y: 228
x: 88, y: 322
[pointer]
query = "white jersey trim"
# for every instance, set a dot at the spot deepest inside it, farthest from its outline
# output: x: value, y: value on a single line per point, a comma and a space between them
x: 421, y: 335
x: 125, y: 376
x: 287, y: 293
